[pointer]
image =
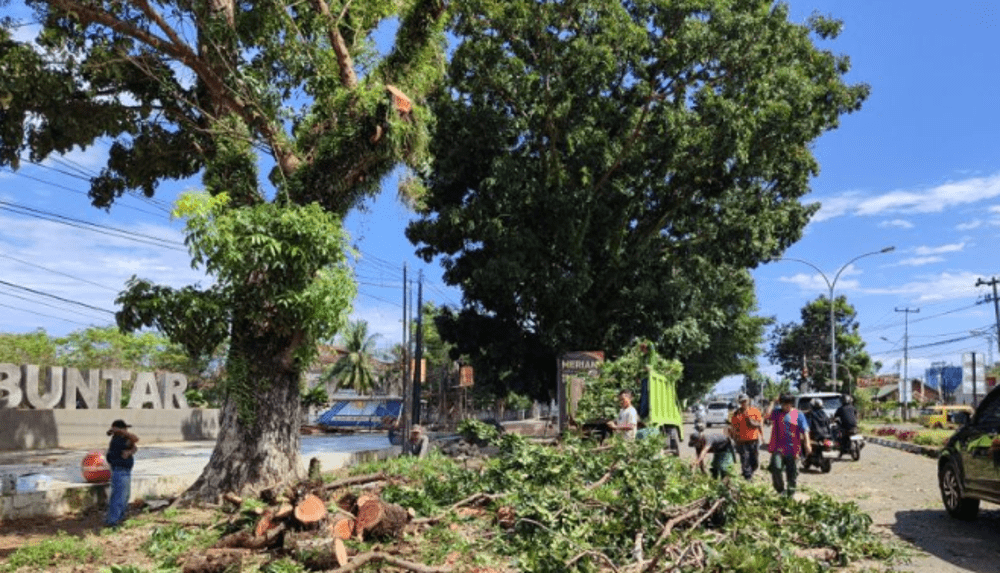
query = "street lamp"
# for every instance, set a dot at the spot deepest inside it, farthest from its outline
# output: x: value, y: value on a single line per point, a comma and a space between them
x: 831, y: 285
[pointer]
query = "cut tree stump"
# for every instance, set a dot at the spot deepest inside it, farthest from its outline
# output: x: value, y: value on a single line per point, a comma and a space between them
x: 310, y: 509
x: 314, y: 553
x: 342, y: 527
x: 380, y: 520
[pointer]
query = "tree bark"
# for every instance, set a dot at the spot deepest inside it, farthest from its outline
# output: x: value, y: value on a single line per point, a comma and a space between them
x: 252, y: 453
x: 380, y: 520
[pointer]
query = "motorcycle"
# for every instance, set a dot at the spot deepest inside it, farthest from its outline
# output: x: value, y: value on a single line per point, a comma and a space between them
x: 857, y: 442
x: 816, y: 457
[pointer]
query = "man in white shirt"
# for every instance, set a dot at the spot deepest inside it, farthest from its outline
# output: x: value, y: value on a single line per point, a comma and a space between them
x: 628, y: 418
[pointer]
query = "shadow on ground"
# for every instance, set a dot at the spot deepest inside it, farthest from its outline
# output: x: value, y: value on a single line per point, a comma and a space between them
x: 971, y: 545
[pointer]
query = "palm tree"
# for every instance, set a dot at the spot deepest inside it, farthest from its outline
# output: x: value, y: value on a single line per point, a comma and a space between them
x: 355, y: 369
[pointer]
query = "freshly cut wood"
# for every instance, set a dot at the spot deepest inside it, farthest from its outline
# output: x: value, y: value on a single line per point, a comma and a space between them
x: 233, y: 498
x: 342, y: 527
x: 363, y: 499
x: 380, y: 520
x: 340, y: 551
x: 284, y: 510
x: 263, y: 524
x: 310, y: 509
x: 215, y: 561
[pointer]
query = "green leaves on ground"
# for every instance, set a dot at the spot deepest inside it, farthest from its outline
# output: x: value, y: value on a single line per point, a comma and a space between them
x: 556, y: 503
x: 50, y: 552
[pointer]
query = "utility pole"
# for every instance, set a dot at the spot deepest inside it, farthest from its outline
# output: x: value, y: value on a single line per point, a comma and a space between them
x: 407, y: 406
x: 907, y: 390
x: 996, y: 302
x: 418, y: 353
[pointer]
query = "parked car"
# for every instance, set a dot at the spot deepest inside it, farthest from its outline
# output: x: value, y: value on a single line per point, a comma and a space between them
x: 969, y: 465
x: 950, y: 417
x: 717, y: 413
x: 831, y: 401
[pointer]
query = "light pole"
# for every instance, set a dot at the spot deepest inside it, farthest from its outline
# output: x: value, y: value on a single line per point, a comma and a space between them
x: 831, y: 285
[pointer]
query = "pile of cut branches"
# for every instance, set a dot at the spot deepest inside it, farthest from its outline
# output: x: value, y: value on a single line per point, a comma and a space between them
x: 576, y: 506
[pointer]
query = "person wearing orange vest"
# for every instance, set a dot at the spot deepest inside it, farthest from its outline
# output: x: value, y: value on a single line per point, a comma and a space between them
x: 746, y: 423
x: 789, y: 436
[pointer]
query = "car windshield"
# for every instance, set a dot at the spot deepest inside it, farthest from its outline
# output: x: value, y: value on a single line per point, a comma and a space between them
x: 718, y: 406
x: 829, y: 402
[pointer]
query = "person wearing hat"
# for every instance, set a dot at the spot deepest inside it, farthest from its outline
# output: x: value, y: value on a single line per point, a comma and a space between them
x: 789, y: 436
x: 419, y: 442
x: 720, y: 447
x: 747, y: 423
x: 121, y: 458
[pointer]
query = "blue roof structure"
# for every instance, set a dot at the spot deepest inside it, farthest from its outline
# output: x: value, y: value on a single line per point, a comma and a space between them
x: 366, y: 412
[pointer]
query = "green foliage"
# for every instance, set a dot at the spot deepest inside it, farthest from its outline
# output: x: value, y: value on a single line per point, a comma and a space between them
x: 356, y: 369
x: 168, y: 543
x: 30, y: 348
x: 59, y: 550
x: 317, y: 396
x: 600, y: 399
x: 475, y: 431
x: 283, y: 565
x: 810, y: 338
x: 259, y: 84
x: 516, y: 401
x: 773, y: 389
x: 123, y: 569
x: 606, y: 170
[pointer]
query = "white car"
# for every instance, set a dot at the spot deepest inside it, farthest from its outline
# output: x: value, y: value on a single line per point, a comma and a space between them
x: 831, y: 402
x: 717, y: 413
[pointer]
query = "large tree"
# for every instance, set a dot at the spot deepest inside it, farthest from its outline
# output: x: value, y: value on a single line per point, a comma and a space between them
x: 802, y: 349
x: 216, y: 89
x: 607, y: 170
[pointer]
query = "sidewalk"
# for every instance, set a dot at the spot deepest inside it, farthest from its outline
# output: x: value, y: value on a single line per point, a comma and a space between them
x: 161, y: 470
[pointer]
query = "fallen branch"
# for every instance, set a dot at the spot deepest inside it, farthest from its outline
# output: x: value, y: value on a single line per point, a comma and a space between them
x: 362, y: 559
x: 592, y: 554
x: 356, y: 480
x: 604, y: 479
x: 660, y: 547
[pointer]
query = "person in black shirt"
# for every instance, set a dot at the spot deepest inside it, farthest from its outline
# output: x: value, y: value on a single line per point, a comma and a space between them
x: 847, y: 418
x: 819, y: 422
x: 120, y: 456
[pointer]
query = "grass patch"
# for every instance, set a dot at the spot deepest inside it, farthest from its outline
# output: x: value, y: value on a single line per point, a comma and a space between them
x: 59, y: 550
x: 168, y: 543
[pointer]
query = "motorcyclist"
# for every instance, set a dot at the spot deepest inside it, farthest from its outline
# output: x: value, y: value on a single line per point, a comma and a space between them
x: 846, y: 417
x: 819, y: 422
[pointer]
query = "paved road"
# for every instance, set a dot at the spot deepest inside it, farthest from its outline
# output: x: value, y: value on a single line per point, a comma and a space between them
x: 899, y: 490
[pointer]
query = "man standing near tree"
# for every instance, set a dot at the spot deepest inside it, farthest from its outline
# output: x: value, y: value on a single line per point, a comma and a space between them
x: 747, y: 423
x: 120, y: 456
x: 789, y: 436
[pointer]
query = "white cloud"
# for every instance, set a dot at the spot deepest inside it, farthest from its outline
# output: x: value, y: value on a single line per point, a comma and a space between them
x: 814, y: 282
x: 970, y: 225
x: 897, y: 223
x: 919, y: 261
x: 933, y: 200
x: 950, y: 248
x: 994, y: 209
x: 927, y: 288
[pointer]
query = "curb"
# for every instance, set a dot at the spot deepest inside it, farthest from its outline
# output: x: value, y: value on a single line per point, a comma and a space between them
x: 928, y: 451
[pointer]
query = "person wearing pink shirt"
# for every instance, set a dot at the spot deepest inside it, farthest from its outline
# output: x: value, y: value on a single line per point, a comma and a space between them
x: 789, y: 436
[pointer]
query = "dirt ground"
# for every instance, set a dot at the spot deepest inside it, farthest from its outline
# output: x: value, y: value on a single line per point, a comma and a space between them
x: 898, y: 489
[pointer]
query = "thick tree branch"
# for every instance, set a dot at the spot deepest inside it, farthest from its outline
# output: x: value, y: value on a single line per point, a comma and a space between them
x: 347, y: 76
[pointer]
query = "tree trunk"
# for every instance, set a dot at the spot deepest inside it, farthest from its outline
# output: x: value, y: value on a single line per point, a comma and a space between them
x: 261, y: 448
x: 381, y: 520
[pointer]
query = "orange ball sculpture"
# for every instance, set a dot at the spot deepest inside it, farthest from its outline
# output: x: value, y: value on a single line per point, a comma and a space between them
x: 94, y: 468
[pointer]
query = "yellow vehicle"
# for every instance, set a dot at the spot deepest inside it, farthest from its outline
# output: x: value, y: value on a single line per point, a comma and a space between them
x: 945, y: 416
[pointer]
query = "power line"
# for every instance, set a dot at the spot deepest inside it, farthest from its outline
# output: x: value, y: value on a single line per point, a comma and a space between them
x: 38, y: 292
x: 32, y: 301
x: 57, y: 272
x: 43, y: 314
x: 88, y: 226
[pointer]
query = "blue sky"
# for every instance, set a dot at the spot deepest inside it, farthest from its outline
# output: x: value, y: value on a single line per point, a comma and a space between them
x: 917, y: 168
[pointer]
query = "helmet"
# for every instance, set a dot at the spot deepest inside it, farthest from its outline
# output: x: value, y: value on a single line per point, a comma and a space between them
x: 848, y: 399
x: 699, y: 427
x: 816, y: 404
